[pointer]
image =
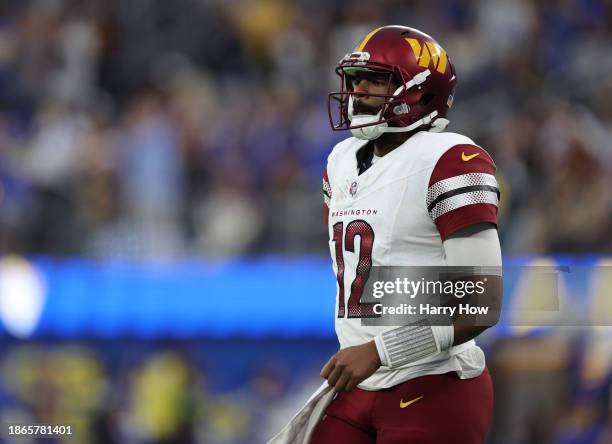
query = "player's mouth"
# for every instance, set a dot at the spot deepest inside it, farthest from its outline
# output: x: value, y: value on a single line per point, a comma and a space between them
x: 361, y: 108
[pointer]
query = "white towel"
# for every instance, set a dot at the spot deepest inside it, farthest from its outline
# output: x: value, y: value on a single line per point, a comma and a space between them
x: 299, y: 429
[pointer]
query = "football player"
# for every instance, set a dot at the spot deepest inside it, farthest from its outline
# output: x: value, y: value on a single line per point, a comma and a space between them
x: 402, y: 192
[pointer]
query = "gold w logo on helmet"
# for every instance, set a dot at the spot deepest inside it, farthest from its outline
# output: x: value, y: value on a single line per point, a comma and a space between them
x: 428, y: 53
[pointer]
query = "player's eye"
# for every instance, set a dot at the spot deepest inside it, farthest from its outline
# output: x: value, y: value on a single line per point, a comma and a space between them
x: 355, y: 80
x: 375, y: 81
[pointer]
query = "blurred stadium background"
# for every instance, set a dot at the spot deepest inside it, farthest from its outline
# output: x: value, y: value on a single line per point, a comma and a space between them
x: 165, y: 276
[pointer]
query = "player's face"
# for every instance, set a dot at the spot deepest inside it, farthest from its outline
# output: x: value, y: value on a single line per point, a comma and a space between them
x: 364, y: 83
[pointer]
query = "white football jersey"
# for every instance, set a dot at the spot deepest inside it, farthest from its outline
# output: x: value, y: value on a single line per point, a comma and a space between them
x: 397, y: 213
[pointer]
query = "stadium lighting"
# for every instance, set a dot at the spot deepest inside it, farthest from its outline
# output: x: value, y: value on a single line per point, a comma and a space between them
x: 22, y: 296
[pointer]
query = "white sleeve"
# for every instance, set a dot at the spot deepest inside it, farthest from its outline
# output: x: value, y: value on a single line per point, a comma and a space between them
x: 476, y: 249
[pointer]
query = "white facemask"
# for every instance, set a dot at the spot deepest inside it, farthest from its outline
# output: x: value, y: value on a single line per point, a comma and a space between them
x: 375, y: 131
x: 367, y: 132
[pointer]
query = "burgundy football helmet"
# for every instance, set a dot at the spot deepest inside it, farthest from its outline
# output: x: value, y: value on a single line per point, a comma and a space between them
x: 411, y: 59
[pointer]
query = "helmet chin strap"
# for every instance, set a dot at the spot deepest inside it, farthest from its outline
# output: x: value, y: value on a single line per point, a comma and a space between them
x: 373, y: 132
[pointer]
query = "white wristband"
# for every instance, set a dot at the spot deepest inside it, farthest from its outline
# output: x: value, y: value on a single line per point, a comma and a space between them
x: 411, y: 343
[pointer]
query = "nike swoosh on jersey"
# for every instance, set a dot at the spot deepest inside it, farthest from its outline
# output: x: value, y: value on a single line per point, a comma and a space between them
x: 470, y: 157
x: 403, y: 404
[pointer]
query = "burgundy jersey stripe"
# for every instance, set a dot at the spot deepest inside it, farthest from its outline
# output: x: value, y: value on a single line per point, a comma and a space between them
x: 455, y: 220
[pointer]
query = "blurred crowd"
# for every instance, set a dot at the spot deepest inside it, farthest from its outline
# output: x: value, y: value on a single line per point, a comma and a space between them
x: 188, y: 393
x: 199, y: 127
x: 152, y: 393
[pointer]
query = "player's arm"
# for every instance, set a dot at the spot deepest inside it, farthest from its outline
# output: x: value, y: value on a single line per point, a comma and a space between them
x: 474, y: 246
x: 462, y: 200
x: 477, y: 246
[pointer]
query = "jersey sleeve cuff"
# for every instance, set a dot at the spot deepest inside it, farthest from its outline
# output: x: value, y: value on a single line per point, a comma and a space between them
x: 381, y: 351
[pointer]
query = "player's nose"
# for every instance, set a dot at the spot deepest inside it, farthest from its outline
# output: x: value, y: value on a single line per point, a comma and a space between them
x: 362, y: 86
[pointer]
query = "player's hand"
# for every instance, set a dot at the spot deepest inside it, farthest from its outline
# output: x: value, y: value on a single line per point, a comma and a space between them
x: 350, y: 366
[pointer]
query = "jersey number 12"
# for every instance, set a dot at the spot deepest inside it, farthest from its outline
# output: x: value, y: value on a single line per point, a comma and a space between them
x: 356, y: 308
